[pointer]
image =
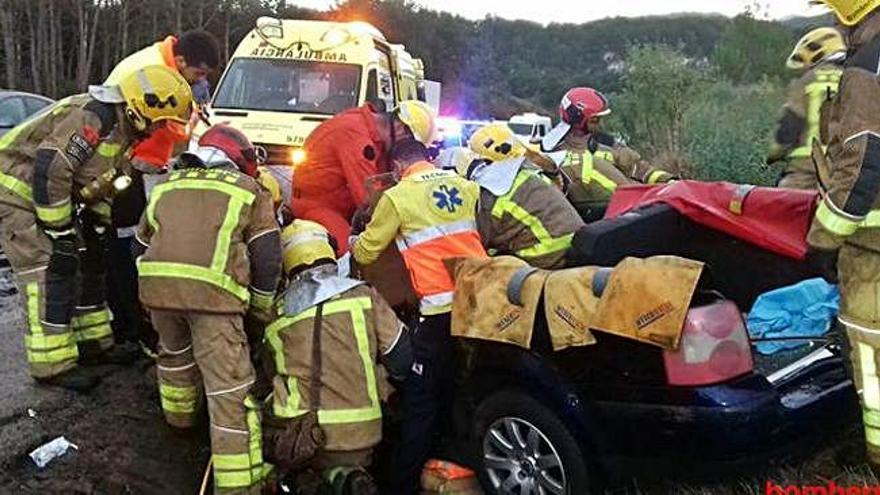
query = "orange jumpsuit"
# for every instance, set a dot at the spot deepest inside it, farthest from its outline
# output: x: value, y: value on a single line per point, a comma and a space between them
x: 340, y: 155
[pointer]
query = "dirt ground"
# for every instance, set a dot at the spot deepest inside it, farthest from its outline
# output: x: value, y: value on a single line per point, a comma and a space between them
x: 125, y: 447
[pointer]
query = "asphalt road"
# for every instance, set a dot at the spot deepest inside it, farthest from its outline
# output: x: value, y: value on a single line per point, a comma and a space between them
x: 124, y: 445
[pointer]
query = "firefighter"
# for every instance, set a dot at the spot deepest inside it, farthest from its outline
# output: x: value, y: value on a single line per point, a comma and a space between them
x: 820, y: 53
x: 848, y: 216
x: 58, y: 174
x: 194, y: 55
x: 358, y: 332
x: 343, y: 152
x: 593, y: 178
x: 578, y: 131
x: 432, y: 215
x: 211, y: 253
x: 521, y: 212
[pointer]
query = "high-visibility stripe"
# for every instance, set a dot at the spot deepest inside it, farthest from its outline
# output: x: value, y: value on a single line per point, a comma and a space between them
x: 33, y: 308
x: 180, y: 400
x: 193, y: 272
x: 215, y: 274
x: 834, y: 221
x: 60, y: 213
x: 224, y: 235
x: 245, y: 469
x: 53, y: 356
x: 826, y: 85
x: 19, y: 188
x: 605, y: 155
x: 94, y: 333
x: 588, y: 171
x: 871, y: 417
x: 434, y: 301
x: 92, y: 319
x: 109, y: 150
x: 357, y: 308
x: 38, y: 343
x: 546, y: 243
x: 428, y: 234
x: 872, y: 436
x: 261, y: 301
x: 870, y: 381
x: 657, y: 176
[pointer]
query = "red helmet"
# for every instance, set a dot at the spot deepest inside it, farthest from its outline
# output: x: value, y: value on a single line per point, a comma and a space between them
x: 234, y: 144
x: 577, y: 107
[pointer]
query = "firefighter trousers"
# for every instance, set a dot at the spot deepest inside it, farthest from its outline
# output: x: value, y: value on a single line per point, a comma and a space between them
x: 209, y: 352
x: 859, y: 272
x: 67, y: 315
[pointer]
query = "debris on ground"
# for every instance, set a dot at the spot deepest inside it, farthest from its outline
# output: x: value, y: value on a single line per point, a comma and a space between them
x: 44, y: 454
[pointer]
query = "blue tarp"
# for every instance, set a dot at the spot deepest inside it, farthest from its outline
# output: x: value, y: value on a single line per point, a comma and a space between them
x: 806, y: 309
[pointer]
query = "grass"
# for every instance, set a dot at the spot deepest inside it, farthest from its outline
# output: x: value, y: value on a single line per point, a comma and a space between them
x: 843, y: 464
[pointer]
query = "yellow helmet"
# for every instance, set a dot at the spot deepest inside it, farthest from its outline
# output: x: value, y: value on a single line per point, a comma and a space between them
x: 156, y: 93
x: 850, y: 12
x: 268, y: 181
x: 496, y: 142
x: 420, y: 118
x: 819, y: 45
x: 303, y: 243
x: 457, y: 158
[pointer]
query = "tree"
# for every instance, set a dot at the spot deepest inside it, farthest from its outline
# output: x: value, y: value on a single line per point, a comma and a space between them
x: 752, y: 49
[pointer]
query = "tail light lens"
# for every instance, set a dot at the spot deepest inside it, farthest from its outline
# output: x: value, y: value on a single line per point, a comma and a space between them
x: 714, y: 347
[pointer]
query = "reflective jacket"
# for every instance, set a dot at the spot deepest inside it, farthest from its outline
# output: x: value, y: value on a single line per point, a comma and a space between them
x: 358, y: 328
x: 212, y: 243
x: 850, y: 210
x: 531, y: 220
x: 802, y: 114
x: 431, y: 214
x: 593, y: 179
x: 46, y: 161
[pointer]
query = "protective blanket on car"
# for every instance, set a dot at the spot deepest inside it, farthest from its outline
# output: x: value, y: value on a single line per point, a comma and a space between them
x: 647, y: 299
x: 496, y: 299
x: 803, y: 310
x: 771, y: 218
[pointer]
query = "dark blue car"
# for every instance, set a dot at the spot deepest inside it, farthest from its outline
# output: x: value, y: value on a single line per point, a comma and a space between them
x: 539, y: 422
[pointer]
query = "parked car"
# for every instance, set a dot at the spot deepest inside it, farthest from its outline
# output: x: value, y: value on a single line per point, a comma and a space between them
x: 534, y: 421
x: 16, y: 106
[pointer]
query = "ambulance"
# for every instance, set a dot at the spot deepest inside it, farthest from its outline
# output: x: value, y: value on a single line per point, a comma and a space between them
x: 288, y: 76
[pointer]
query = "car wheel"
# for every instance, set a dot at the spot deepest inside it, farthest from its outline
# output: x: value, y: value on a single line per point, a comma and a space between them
x: 523, y: 448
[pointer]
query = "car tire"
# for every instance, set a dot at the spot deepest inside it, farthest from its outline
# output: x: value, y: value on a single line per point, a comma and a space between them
x: 547, y: 459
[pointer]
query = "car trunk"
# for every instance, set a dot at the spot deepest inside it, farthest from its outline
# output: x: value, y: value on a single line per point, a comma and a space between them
x: 735, y: 270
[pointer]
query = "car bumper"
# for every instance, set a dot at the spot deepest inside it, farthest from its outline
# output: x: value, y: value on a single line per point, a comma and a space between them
x: 749, y: 420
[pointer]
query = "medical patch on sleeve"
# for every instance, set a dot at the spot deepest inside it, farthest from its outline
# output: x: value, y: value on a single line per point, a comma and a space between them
x: 369, y: 153
x: 79, y: 149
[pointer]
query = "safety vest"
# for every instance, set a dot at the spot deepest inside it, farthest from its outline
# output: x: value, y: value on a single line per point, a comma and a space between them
x: 545, y: 242
x: 584, y: 162
x: 823, y: 88
x: 437, y: 211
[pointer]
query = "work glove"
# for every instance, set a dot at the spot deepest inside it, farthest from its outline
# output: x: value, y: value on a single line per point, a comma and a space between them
x: 824, y: 262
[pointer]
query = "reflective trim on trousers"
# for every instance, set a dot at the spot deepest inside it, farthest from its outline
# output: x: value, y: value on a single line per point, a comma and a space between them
x: 247, y: 469
x: 180, y: 400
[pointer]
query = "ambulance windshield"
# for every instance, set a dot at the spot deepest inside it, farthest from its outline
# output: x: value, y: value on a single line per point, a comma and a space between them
x: 282, y: 85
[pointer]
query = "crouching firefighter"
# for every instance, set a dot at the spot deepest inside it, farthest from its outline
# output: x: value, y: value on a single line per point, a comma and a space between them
x: 329, y: 337
x: 59, y: 172
x: 521, y: 212
x: 212, y: 254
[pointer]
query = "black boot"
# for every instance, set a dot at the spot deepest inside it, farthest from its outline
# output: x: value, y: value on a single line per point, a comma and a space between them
x: 123, y: 354
x: 78, y: 379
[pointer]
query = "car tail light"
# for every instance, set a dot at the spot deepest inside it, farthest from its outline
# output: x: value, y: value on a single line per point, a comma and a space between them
x: 714, y: 347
